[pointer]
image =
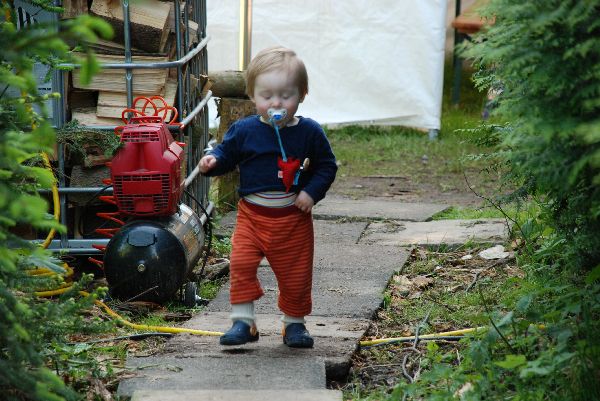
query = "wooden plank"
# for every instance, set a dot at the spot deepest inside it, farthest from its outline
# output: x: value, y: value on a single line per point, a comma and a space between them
x: 107, y: 47
x: 144, y: 80
x: 111, y: 104
x: 470, y: 21
x: 148, y: 21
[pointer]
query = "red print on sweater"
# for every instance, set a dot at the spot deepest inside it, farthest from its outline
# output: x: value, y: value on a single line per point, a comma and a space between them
x: 288, y: 171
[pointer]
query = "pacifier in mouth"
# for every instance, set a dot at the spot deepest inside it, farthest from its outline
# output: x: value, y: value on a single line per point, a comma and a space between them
x: 276, y: 114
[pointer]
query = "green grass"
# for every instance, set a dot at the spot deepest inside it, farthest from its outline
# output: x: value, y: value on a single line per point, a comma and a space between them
x: 457, y: 213
x: 397, y: 150
x: 209, y: 289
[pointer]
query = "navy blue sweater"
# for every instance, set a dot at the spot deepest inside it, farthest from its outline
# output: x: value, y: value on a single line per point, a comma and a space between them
x: 252, y: 145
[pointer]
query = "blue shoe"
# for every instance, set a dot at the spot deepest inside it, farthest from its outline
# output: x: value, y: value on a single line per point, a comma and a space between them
x: 295, y: 335
x: 240, y: 333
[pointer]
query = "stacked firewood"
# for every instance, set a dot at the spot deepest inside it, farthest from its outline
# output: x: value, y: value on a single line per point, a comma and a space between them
x: 152, y: 41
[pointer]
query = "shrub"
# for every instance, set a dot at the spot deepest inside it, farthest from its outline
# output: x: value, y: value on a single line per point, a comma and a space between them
x: 543, y: 60
x: 30, y: 329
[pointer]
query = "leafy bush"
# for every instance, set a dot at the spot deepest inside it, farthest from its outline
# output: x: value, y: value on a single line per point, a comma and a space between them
x: 30, y: 328
x: 543, y: 60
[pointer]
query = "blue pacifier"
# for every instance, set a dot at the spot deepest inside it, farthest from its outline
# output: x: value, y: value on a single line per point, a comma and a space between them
x: 276, y: 114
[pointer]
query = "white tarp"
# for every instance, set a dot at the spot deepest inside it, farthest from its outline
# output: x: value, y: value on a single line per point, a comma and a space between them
x: 378, y: 62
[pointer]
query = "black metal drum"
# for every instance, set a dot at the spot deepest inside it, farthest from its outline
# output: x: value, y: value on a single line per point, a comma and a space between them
x: 150, y: 260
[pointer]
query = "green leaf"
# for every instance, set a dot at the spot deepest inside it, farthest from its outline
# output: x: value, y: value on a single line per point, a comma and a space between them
x: 512, y: 361
x: 593, y: 275
x: 506, y: 319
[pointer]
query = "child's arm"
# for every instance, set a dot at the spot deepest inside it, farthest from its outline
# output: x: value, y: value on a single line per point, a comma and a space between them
x: 323, y: 168
x: 223, y: 158
x: 304, y: 202
x: 207, y: 163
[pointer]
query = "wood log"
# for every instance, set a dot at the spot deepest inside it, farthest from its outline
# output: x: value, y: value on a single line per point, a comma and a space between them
x: 111, y: 104
x: 200, y: 86
x: 228, y: 84
x: 230, y: 111
x: 107, y: 47
x: 192, y: 32
x: 470, y: 20
x: 144, y: 80
x: 169, y: 26
x: 87, y: 116
x: 148, y: 22
x: 73, y: 8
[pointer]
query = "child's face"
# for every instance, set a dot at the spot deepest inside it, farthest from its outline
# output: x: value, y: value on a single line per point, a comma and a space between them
x: 276, y: 89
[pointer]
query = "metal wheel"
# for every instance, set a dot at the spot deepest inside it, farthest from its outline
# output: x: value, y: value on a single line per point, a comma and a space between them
x: 189, y: 297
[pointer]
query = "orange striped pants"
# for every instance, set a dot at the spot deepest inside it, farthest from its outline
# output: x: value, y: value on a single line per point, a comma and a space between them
x: 288, y: 244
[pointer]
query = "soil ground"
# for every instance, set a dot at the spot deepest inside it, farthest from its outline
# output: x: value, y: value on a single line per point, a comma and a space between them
x: 428, y: 184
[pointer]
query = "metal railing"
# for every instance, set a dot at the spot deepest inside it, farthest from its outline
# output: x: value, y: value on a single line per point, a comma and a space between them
x: 190, y: 103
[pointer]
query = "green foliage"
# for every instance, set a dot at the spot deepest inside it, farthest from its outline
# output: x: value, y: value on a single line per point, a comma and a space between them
x: 31, y: 328
x: 542, y: 58
x: 77, y: 138
x: 456, y: 213
x: 222, y: 246
x: 546, y: 348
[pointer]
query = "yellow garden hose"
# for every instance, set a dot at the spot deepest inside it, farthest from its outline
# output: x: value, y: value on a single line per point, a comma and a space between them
x: 453, y: 333
x: 177, y: 330
x: 64, y: 287
x: 162, y: 329
x: 55, y: 202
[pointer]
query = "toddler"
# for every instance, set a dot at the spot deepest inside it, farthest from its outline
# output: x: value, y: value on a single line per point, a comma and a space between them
x: 286, y: 166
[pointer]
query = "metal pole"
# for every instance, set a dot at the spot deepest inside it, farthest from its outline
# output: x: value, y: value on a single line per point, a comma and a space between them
x: 127, y: 43
x: 179, y: 54
x: 245, y: 47
x: 457, y: 60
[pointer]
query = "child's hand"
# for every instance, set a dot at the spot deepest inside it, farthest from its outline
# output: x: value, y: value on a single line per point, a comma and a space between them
x: 304, y: 202
x: 207, y: 163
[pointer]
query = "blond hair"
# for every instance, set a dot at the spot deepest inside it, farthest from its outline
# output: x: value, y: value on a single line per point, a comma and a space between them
x: 277, y: 58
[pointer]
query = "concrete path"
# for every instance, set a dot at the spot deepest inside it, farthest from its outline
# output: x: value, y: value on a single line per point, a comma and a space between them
x: 355, y: 257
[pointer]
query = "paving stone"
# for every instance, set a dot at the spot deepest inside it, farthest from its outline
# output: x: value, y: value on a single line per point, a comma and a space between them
x: 375, y: 209
x: 225, y: 224
x: 233, y: 371
x: 336, y: 340
x: 348, y: 281
x: 353, y: 264
x: 331, y: 231
x: 435, y: 233
x: 338, y: 232
x: 237, y: 395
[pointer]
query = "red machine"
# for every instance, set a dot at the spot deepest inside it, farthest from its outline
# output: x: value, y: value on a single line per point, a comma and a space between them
x: 146, y: 172
x: 152, y: 256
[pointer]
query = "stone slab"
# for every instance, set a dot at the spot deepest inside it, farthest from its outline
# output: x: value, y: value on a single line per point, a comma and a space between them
x: 336, y: 340
x: 348, y: 281
x: 325, y: 230
x: 435, y: 233
x: 338, y: 232
x: 375, y: 209
x: 233, y: 371
x: 225, y: 224
x: 237, y: 395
